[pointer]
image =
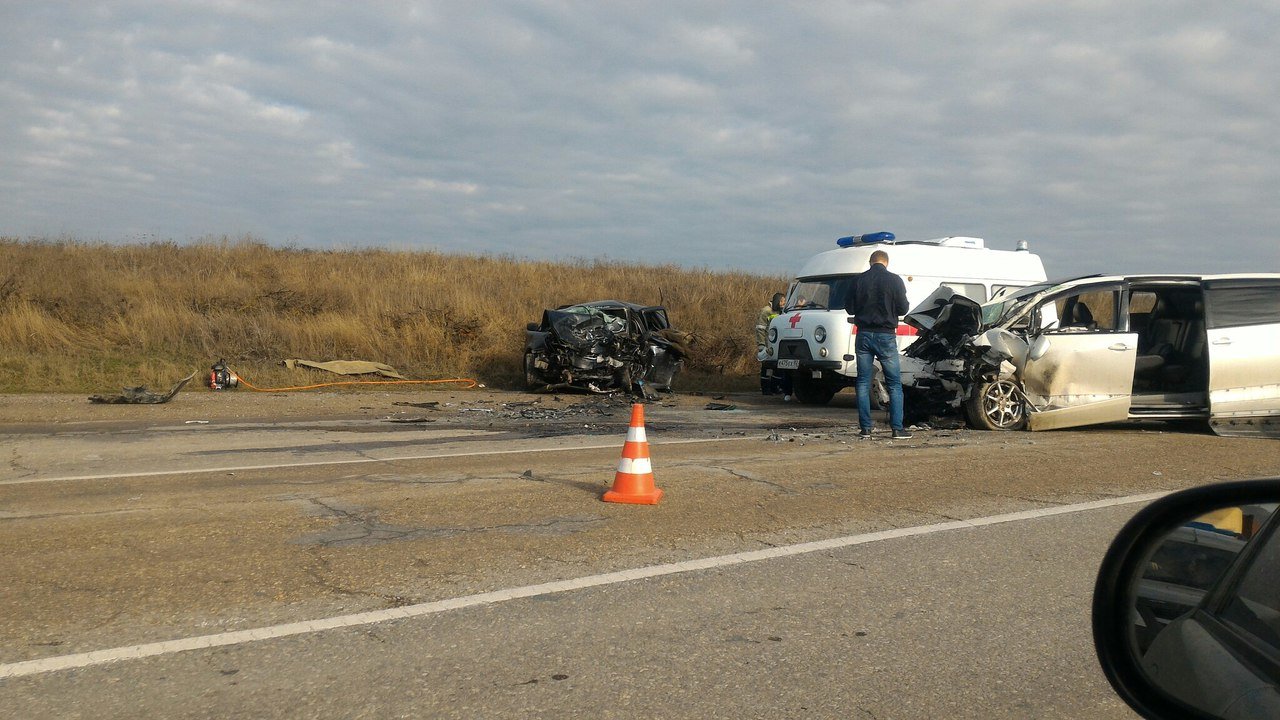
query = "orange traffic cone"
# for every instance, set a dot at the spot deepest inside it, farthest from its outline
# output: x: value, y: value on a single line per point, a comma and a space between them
x: 633, y: 482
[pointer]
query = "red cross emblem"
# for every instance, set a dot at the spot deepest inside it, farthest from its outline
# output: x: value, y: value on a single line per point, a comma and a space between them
x: 793, y: 320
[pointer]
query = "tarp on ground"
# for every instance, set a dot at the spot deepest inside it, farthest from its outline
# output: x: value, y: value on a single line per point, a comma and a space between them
x: 347, y: 367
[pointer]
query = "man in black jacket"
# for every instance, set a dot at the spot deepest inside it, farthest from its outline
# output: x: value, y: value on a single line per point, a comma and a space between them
x: 878, y: 299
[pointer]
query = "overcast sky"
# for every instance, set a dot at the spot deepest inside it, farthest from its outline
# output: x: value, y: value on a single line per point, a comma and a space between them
x: 1113, y: 136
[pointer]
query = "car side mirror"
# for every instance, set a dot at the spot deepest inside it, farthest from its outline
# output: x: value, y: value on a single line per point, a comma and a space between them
x: 1039, y: 347
x: 532, y: 327
x: 1186, y: 608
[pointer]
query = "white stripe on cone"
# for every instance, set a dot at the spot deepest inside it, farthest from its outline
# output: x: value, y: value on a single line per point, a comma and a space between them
x: 636, y: 434
x: 638, y: 466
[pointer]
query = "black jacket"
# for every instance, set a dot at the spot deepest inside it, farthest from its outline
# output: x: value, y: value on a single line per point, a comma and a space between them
x: 878, y: 299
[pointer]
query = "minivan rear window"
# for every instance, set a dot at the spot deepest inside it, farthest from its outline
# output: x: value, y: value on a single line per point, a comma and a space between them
x: 1232, y: 303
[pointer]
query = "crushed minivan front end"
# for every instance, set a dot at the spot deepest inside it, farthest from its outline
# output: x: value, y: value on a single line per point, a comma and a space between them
x: 961, y: 360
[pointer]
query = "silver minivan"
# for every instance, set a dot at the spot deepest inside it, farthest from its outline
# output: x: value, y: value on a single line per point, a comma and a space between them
x: 1104, y: 349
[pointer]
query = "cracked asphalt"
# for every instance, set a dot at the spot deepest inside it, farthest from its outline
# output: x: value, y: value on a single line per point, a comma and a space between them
x: 227, y: 511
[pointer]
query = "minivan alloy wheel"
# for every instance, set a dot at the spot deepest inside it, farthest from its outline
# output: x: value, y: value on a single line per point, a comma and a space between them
x: 997, y: 406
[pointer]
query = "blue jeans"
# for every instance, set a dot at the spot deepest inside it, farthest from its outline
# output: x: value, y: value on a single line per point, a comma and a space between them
x: 868, y: 347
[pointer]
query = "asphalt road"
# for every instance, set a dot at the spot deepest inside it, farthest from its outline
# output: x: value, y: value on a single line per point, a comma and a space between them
x: 368, y: 559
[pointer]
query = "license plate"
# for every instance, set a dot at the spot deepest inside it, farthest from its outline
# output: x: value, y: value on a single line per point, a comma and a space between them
x: 789, y: 364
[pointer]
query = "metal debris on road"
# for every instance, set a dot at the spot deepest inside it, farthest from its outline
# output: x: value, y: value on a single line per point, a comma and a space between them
x: 140, y: 395
x: 433, y: 405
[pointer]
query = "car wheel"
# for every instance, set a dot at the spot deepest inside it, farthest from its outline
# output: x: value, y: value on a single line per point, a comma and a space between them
x: 811, y: 392
x: 531, y: 380
x: 997, y: 406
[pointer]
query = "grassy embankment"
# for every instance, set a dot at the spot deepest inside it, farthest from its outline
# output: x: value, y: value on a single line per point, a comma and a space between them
x: 91, y: 317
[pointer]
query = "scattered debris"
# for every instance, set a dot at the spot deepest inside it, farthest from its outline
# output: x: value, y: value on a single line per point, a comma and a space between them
x: 720, y: 406
x: 943, y: 422
x: 599, y: 407
x: 602, y: 406
x: 433, y: 405
x: 140, y: 395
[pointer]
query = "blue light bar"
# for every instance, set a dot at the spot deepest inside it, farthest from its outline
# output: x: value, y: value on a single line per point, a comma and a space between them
x: 868, y: 239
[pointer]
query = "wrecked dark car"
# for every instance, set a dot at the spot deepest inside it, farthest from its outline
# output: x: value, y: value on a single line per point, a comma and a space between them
x: 1202, y: 348
x: 604, y: 347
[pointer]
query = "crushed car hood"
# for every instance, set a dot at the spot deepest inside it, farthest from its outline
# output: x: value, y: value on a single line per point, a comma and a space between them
x: 579, y: 330
x: 946, y: 320
x: 950, y: 326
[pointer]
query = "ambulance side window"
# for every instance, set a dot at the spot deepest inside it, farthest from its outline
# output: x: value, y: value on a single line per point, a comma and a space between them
x: 973, y: 291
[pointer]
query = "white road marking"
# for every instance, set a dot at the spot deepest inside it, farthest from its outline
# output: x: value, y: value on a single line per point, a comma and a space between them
x: 134, y: 652
x: 358, y: 461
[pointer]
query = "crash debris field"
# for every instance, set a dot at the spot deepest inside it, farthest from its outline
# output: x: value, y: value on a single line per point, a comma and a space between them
x: 88, y: 317
x: 363, y: 500
x: 226, y: 514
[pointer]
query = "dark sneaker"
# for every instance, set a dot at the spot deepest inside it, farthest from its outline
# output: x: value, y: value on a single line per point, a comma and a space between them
x: 902, y: 435
x: 864, y: 434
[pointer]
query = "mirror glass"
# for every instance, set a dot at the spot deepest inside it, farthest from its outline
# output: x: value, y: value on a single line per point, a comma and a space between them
x: 1206, y: 612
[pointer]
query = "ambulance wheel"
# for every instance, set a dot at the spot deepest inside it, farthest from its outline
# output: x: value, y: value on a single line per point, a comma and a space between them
x: 996, y: 405
x: 811, y: 392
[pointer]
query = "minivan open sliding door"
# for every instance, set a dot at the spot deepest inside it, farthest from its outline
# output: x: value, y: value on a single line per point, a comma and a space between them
x: 1242, y: 323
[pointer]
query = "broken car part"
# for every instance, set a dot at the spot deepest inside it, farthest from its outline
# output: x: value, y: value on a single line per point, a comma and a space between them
x: 604, y: 347
x: 140, y: 395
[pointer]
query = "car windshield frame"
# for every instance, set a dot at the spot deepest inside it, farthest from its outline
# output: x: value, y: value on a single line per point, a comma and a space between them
x: 1002, y: 309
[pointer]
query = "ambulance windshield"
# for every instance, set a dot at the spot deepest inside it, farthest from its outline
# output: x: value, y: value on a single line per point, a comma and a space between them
x: 820, y: 293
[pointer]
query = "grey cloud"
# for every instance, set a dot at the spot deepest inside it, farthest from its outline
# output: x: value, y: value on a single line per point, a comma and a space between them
x: 1133, y: 137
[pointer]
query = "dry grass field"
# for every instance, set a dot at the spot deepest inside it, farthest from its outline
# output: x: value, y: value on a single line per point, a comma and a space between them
x: 81, y: 316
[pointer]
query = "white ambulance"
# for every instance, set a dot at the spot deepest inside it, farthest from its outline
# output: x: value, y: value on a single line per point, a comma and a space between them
x: 812, y: 339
